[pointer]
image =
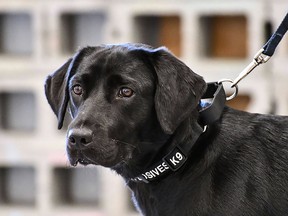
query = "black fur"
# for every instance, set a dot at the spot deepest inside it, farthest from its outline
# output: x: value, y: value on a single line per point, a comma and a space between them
x: 239, y: 166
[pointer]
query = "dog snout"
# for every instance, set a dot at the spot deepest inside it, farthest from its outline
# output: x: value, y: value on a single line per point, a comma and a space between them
x: 79, y: 138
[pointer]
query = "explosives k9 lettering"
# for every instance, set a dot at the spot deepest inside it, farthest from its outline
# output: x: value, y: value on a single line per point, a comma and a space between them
x: 174, y: 161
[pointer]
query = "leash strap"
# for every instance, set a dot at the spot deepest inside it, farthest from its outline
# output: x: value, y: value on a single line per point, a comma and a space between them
x: 210, y: 110
x: 270, y: 46
x: 266, y: 52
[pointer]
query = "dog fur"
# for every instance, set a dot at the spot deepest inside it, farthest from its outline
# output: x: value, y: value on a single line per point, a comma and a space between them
x: 238, y: 166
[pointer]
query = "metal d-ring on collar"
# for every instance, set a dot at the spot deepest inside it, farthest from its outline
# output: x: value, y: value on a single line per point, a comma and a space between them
x: 235, y: 86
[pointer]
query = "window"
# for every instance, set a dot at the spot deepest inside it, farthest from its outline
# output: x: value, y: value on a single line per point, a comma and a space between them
x: 81, y: 29
x: 224, y: 36
x: 159, y: 31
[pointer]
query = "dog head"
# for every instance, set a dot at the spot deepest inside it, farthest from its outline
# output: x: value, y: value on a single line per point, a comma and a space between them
x: 120, y: 96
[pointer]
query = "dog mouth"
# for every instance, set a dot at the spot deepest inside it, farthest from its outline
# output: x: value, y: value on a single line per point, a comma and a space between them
x: 78, y: 157
x: 92, y: 156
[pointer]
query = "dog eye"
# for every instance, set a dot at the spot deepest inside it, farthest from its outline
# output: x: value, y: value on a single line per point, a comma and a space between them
x: 77, y: 89
x: 125, y: 92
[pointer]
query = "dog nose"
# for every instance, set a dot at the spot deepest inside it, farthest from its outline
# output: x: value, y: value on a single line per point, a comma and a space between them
x: 79, y: 137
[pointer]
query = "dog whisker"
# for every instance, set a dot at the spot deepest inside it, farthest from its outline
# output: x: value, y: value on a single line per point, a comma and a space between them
x: 125, y: 143
x: 144, y: 142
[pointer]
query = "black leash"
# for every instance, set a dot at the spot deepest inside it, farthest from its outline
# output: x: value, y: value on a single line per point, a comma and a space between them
x: 266, y: 52
x: 210, y: 110
x: 270, y: 46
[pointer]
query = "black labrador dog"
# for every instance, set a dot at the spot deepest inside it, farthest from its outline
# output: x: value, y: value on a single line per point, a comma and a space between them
x: 131, y: 106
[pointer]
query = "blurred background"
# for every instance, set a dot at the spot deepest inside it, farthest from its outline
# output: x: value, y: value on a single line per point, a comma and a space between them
x: 216, y: 38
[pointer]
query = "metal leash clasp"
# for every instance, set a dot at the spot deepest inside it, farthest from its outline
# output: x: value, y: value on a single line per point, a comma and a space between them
x: 258, y: 59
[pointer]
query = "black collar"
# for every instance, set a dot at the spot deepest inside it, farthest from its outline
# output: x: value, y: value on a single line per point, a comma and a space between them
x: 210, y: 110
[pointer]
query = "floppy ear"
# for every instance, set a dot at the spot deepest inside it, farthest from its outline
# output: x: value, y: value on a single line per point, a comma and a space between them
x: 178, y: 91
x: 57, y: 89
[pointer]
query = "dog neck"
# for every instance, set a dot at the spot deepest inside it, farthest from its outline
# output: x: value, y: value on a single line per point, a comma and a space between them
x: 155, y: 160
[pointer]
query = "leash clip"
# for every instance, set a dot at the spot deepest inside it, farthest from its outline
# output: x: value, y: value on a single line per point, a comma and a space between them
x: 258, y: 59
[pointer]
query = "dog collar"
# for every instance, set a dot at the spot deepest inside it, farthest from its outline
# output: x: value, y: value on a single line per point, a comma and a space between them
x: 210, y: 110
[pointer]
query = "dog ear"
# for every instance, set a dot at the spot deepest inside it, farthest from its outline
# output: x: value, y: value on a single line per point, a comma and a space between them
x: 178, y: 91
x: 57, y: 89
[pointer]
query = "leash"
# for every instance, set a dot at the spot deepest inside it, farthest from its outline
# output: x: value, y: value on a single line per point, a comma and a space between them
x: 266, y: 52
x: 210, y: 109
